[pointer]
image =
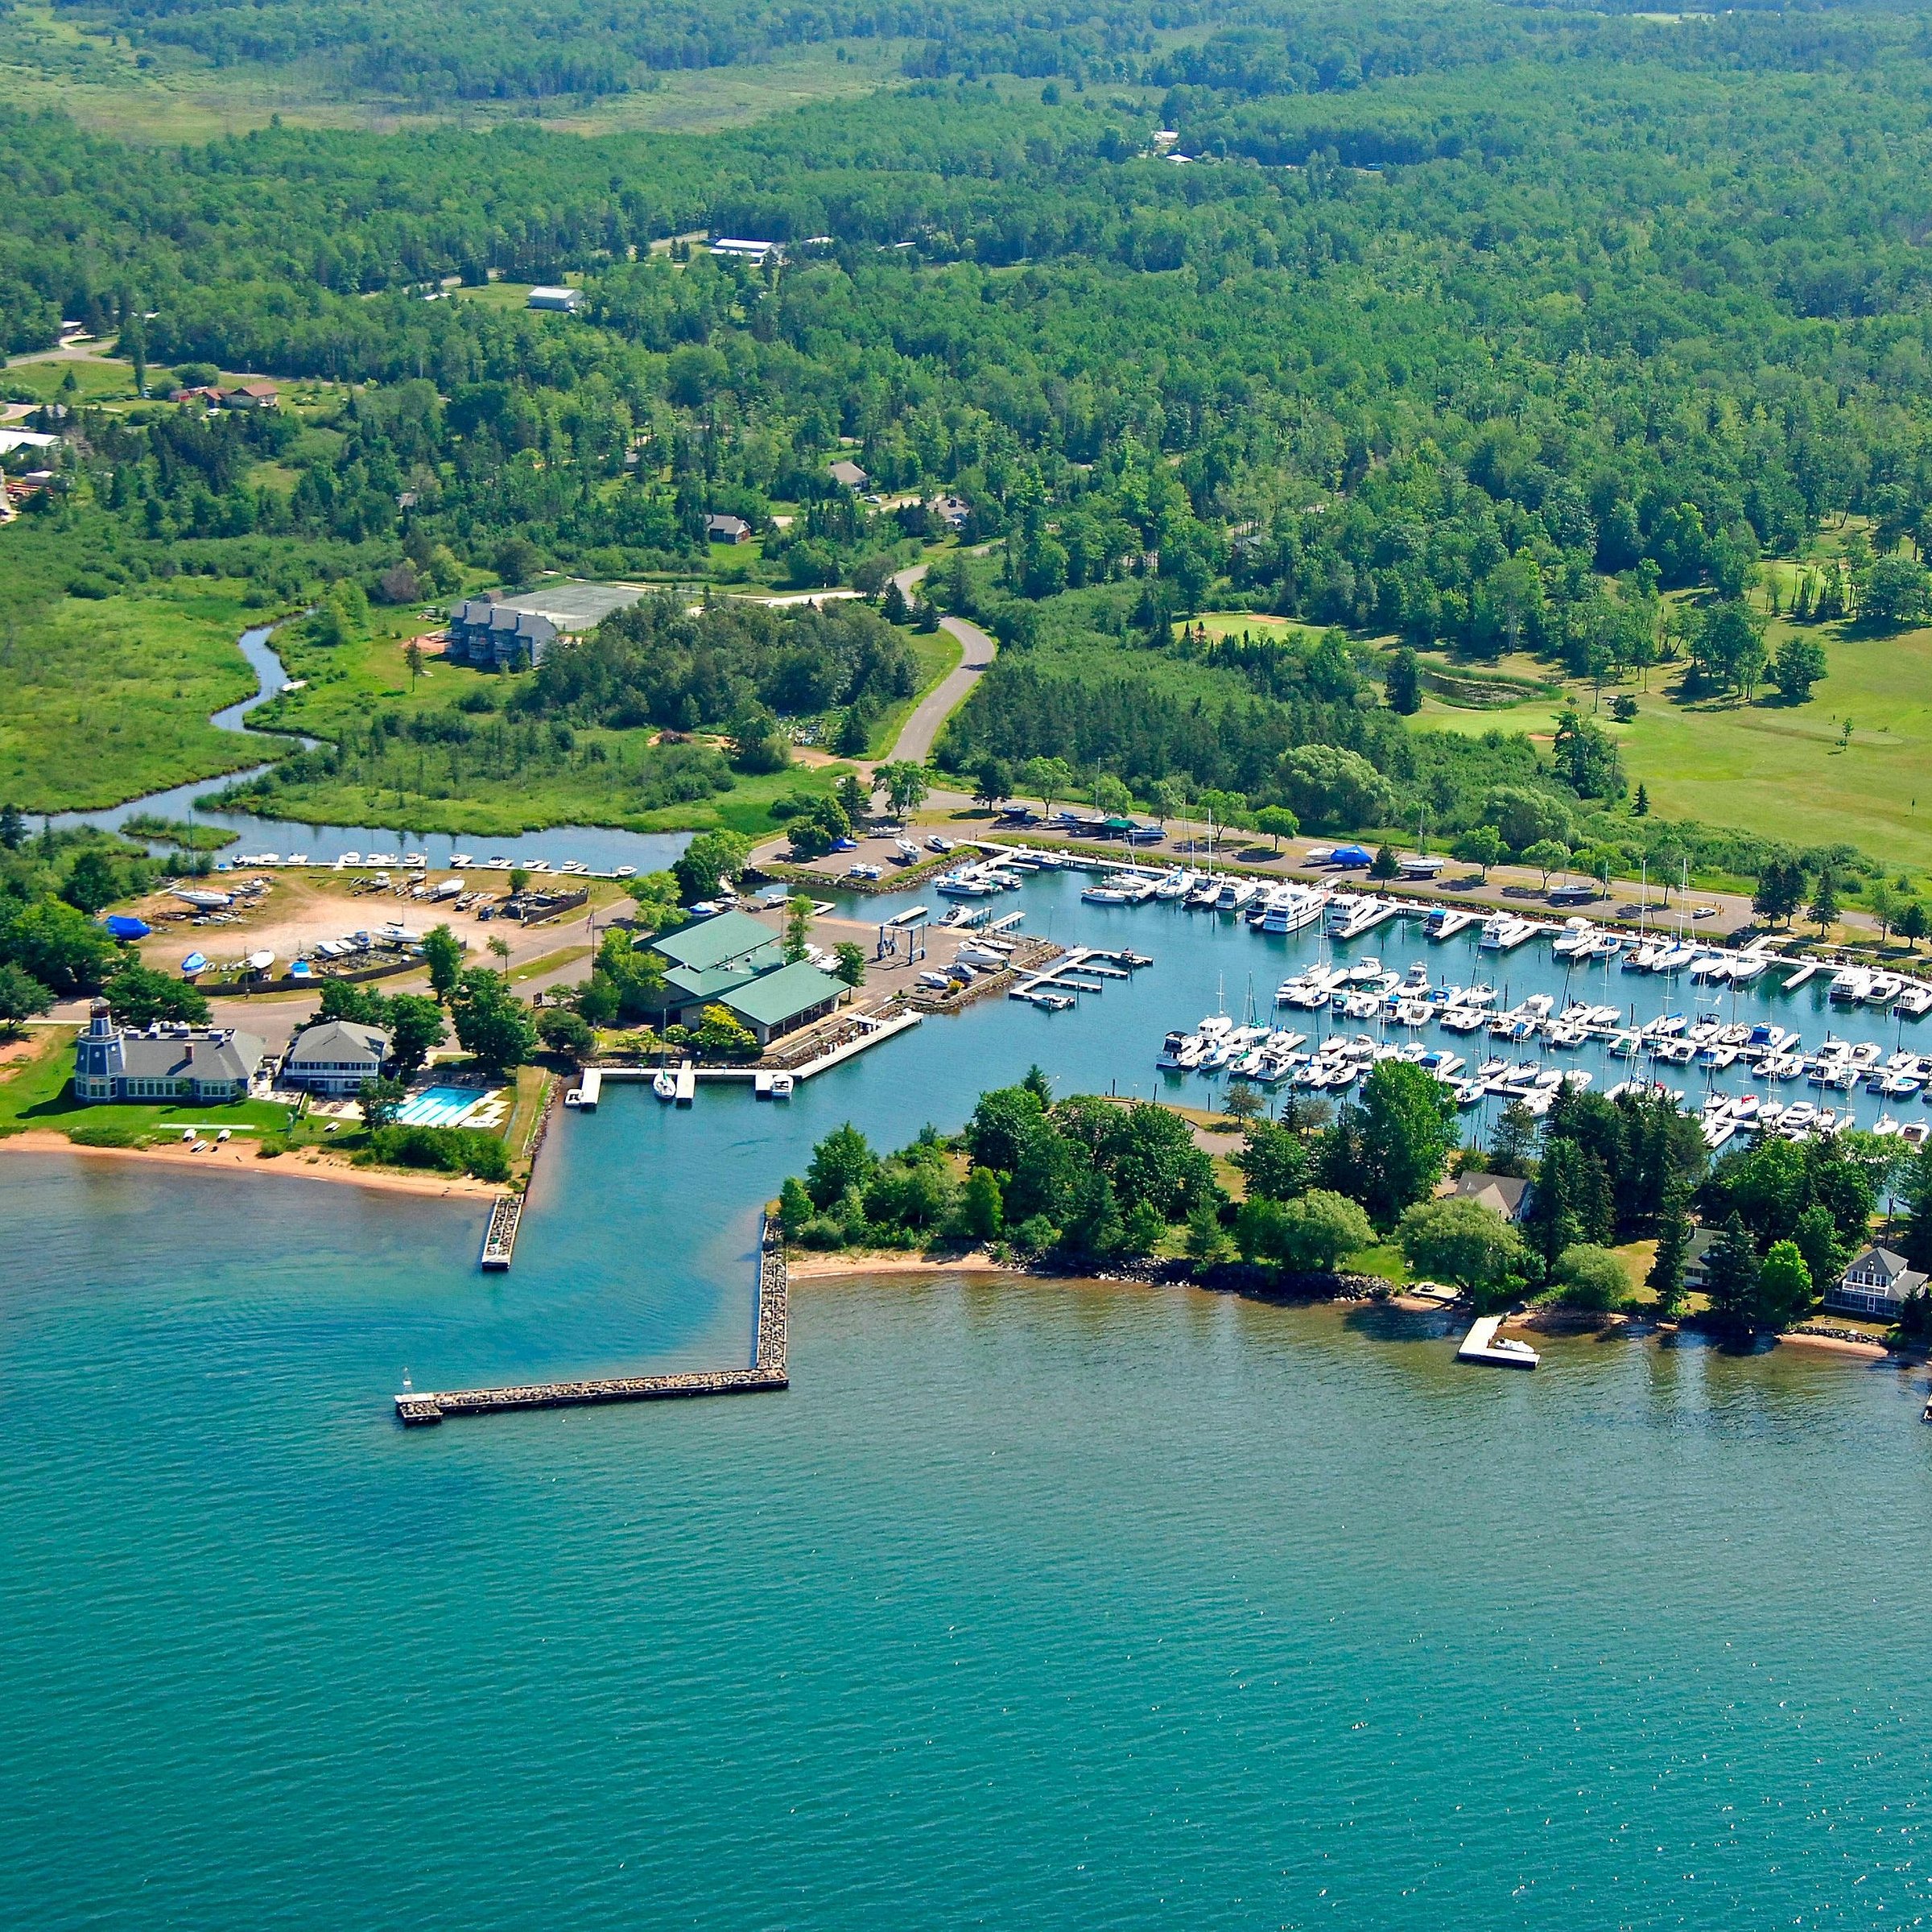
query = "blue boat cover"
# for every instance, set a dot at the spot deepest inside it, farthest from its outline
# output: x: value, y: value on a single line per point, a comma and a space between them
x: 123, y: 926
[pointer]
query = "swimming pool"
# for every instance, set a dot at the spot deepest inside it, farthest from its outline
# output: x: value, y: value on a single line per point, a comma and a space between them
x: 443, y: 1106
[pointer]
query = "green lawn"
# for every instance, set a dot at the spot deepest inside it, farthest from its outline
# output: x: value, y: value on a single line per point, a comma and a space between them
x: 39, y: 1095
x: 101, y: 378
x: 103, y: 699
x: 1776, y: 769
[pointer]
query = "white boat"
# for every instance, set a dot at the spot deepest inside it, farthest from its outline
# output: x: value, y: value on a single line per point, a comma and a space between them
x: 1504, y: 931
x: 782, y: 1086
x: 459, y: 861
x: 204, y: 901
x: 1850, y: 986
x: 195, y: 963
x: 664, y: 1083
x: 260, y: 962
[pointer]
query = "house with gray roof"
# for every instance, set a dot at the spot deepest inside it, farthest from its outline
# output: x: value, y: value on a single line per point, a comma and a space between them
x: 164, y: 1061
x: 1879, y: 1282
x: 848, y: 474
x: 1504, y: 1194
x: 336, y: 1056
x: 493, y: 637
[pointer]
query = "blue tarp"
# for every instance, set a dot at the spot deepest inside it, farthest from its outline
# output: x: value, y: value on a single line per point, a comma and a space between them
x: 123, y: 928
x: 1352, y: 855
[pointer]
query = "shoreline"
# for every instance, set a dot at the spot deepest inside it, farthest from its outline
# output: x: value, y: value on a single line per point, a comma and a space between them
x: 845, y: 1264
x: 43, y: 1140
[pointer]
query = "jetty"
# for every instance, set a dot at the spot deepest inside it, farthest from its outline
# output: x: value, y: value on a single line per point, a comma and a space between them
x: 500, y: 1239
x: 588, y: 1091
x: 1480, y: 1345
x: 417, y: 1408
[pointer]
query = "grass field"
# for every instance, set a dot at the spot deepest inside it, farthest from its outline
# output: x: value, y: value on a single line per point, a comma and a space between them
x: 39, y: 1095
x: 47, y: 61
x: 101, y: 699
x: 1780, y: 771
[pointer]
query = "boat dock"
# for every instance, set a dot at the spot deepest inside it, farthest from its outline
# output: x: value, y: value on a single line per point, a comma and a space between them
x: 1803, y: 973
x: 687, y: 1083
x: 588, y: 1091
x: 416, y: 1409
x: 1093, y: 965
x: 1454, y: 919
x: 1480, y: 1345
x: 500, y: 1239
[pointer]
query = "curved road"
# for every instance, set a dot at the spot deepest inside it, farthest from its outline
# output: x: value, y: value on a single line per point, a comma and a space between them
x: 921, y: 731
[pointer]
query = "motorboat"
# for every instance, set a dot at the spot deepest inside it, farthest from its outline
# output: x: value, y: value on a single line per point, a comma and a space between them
x: 195, y: 963
x: 782, y: 1086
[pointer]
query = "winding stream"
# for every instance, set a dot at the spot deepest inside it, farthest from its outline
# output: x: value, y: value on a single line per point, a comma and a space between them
x: 600, y: 847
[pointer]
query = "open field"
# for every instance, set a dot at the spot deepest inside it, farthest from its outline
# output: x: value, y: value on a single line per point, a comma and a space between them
x: 103, y: 699
x: 49, y: 60
x: 1767, y: 767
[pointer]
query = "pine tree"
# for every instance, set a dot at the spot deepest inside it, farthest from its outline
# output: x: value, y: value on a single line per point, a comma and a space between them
x: 1666, y: 1274
x: 1640, y: 806
x: 1731, y: 1272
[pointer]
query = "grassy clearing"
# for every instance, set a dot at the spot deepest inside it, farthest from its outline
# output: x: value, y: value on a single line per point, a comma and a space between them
x: 1782, y: 771
x: 47, y: 61
x: 702, y: 100
x: 101, y: 699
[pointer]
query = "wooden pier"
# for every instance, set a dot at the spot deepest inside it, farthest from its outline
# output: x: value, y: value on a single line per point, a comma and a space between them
x: 1480, y: 1345
x: 500, y: 1239
x: 416, y: 1408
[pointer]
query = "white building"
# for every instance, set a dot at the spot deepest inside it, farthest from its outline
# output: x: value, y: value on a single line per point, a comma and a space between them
x: 560, y: 301
x: 336, y: 1056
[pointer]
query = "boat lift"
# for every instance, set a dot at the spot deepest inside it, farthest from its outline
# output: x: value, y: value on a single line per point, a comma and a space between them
x: 902, y: 937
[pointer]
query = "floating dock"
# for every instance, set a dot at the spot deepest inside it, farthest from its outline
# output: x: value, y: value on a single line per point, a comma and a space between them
x: 687, y: 1084
x: 417, y: 1409
x: 500, y: 1239
x: 1480, y: 1345
x: 588, y: 1091
x: 1100, y: 963
x: 1799, y: 978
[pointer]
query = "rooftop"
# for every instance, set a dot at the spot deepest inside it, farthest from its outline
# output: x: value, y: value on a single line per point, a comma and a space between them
x: 775, y: 997
x: 724, y: 939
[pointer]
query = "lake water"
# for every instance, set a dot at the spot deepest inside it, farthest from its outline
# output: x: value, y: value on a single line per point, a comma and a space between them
x: 1081, y: 1605
x: 600, y: 847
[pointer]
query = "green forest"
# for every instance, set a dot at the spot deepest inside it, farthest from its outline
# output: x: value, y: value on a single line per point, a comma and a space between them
x: 1444, y: 357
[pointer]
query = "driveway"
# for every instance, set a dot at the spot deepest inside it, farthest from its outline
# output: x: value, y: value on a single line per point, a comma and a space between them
x: 920, y: 732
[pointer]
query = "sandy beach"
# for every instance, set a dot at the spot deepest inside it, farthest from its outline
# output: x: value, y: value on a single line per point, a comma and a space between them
x: 238, y: 1157
x: 801, y: 1266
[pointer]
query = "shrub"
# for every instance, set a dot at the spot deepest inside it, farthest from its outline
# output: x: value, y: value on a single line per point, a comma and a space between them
x: 1590, y: 1276
x: 443, y: 1150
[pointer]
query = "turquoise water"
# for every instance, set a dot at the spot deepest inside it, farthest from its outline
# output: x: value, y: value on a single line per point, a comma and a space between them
x: 1083, y: 1606
x: 439, y: 1106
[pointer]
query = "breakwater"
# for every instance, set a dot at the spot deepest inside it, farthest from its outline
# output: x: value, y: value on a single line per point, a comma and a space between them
x: 418, y: 1408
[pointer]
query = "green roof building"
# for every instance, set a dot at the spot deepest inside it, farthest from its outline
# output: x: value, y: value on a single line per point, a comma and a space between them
x: 713, y: 957
x: 779, y: 1002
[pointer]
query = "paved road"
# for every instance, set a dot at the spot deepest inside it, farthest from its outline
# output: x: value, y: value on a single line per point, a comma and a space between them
x: 921, y: 731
